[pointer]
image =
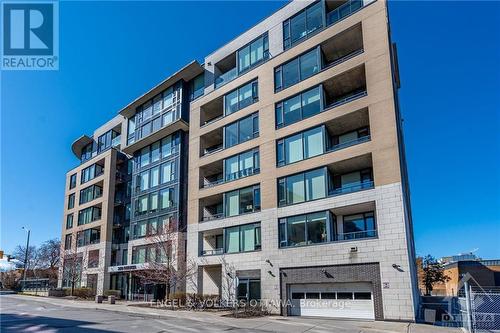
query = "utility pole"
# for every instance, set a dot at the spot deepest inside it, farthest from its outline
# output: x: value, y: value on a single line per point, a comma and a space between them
x: 26, y: 256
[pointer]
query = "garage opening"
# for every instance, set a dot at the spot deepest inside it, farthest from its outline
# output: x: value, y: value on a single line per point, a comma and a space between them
x: 335, y: 300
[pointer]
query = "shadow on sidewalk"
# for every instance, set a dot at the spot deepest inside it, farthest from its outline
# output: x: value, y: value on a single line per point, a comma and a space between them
x: 10, y: 322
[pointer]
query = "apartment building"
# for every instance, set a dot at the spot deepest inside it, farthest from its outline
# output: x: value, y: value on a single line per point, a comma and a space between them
x: 125, y: 205
x: 298, y: 190
x: 277, y: 166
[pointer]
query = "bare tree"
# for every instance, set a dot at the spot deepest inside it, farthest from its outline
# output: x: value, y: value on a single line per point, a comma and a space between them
x: 162, y: 266
x: 49, y: 253
x: 32, y: 260
x: 228, y: 281
x: 72, y: 263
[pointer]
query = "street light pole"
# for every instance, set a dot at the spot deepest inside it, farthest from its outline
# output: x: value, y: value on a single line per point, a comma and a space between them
x: 26, y: 255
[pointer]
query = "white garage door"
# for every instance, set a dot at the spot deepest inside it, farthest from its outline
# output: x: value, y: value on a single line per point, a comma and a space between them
x: 336, y: 300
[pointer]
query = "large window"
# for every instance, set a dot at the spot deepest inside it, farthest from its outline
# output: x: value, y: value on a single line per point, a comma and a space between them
x: 352, y: 181
x: 241, y: 165
x: 106, y: 140
x: 305, y: 229
x: 245, y: 200
x: 302, y: 187
x: 155, y: 201
x: 253, y: 53
x: 88, y: 236
x: 241, y: 97
x: 150, y: 253
x: 71, y: 201
x: 90, y: 193
x: 359, y: 226
x: 155, y: 113
x: 301, y: 146
x: 297, y: 69
x: 302, y: 24
x: 296, y: 108
x: 89, y: 215
x: 151, y: 226
x: 197, y: 87
x: 91, y: 172
x: 69, y: 221
x: 72, y: 181
x: 242, y: 130
x: 68, y: 239
x: 159, y: 150
x: 242, y: 238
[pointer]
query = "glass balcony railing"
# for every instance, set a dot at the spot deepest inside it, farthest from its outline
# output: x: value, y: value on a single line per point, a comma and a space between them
x: 356, y: 235
x: 349, y: 143
x: 212, y: 252
x: 116, y: 141
x: 226, y: 77
x: 343, y: 11
x: 353, y: 187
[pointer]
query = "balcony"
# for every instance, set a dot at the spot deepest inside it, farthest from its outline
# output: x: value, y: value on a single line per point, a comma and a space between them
x: 212, y: 111
x: 355, y: 222
x: 233, y: 203
x: 228, y: 76
x: 232, y: 168
x: 347, y: 176
x: 211, y: 242
x: 345, y: 87
x: 338, y: 10
x: 212, y: 142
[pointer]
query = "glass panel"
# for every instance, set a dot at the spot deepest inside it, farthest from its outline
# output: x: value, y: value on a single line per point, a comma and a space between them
x: 231, y: 102
x: 364, y: 295
x: 144, y: 158
x: 246, y: 163
x: 257, y: 51
x: 296, y: 230
x: 155, y: 151
x: 315, y: 184
x: 166, y: 146
x: 314, y: 17
x: 293, y: 149
x: 168, y: 118
x: 147, y: 111
x: 254, y: 289
x: 168, y: 97
x: 245, y: 96
x: 247, y: 237
x: 291, y: 109
x: 351, y: 136
x: 144, y: 180
x: 316, y: 228
x: 349, y: 179
x: 246, y: 129
x: 309, y: 64
x: 157, y: 104
x: 295, y: 189
x: 246, y: 200
x: 166, y: 172
x: 354, y: 223
x: 311, y: 103
x: 344, y: 295
x: 231, y: 168
x: 143, y: 204
x: 232, y: 240
x: 314, y: 142
x: 232, y: 203
x: 165, y: 200
x: 291, y: 73
x: 231, y: 135
x: 244, y: 58
x: 154, y: 201
x: 298, y: 27
x: 155, y: 176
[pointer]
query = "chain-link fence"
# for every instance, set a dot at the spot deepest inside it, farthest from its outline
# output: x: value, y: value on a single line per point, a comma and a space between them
x: 485, y: 311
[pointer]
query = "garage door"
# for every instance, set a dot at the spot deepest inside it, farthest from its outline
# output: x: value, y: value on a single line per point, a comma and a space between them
x: 336, y: 300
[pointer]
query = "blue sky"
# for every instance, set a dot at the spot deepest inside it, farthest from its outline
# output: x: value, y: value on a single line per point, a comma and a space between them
x: 111, y: 52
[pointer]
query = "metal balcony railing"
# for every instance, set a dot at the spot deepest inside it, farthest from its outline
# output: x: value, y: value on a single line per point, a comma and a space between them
x: 347, y: 98
x: 354, y: 187
x: 343, y: 11
x: 349, y: 143
x: 356, y: 235
x: 213, y: 217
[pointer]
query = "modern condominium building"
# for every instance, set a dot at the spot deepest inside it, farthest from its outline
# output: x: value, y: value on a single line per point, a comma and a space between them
x: 297, y: 179
x: 278, y: 166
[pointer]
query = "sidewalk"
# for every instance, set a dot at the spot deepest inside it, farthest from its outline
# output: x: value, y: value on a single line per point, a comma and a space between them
x: 269, y: 323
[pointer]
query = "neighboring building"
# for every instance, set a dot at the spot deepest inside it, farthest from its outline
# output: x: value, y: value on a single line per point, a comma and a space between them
x: 128, y: 187
x: 459, y: 257
x: 297, y: 185
x: 481, y: 274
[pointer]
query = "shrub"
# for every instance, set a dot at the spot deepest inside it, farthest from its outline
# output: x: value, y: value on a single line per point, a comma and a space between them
x: 85, y: 293
x: 178, y: 295
x: 112, y: 292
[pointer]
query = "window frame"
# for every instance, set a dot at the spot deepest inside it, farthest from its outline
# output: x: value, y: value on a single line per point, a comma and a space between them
x: 278, y: 70
x: 255, y: 96
x: 280, y: 110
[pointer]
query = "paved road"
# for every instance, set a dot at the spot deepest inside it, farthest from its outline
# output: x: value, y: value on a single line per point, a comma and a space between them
x: 31, y: 314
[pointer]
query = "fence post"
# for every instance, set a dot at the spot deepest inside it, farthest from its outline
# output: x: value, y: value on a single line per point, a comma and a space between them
x: 468, y: 306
